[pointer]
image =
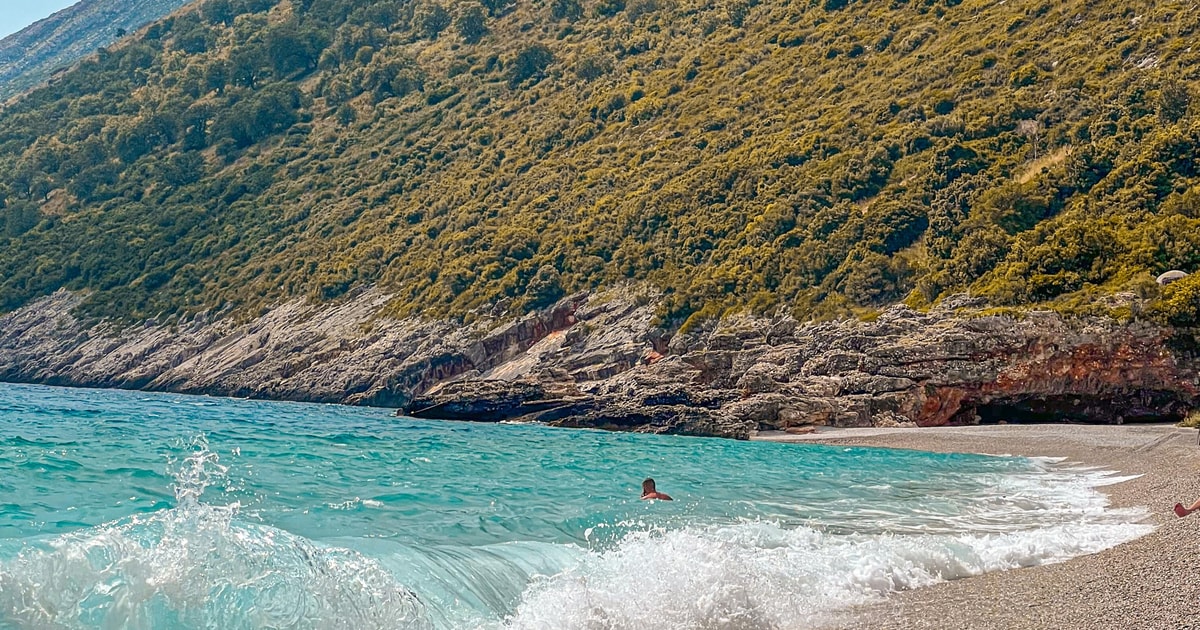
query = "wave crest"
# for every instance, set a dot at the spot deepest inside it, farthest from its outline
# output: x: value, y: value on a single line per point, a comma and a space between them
x: 196, y: 565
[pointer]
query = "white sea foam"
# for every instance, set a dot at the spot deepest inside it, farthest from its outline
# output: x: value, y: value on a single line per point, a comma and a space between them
x: 196, y: 566
x: 756, y: 576
x: 760, y: 575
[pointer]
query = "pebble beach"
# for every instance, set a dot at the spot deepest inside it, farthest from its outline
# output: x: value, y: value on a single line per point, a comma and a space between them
x: 1150, y: 582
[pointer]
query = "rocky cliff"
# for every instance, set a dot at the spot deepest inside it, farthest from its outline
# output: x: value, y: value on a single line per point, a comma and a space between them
x: 599, y: 361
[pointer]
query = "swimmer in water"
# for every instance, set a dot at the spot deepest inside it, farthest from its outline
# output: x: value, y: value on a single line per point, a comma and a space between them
x: 648, y: 492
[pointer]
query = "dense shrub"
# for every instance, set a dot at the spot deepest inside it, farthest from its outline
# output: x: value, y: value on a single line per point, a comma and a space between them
x: 249, y: 151
x: 1180, y: 303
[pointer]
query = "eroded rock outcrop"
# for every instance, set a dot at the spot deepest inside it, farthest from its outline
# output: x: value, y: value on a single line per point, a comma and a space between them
x: 952, y: 365
x: 599, y: 361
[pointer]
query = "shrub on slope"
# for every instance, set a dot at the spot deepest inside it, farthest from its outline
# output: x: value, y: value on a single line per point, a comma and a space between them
x: 831, y: 156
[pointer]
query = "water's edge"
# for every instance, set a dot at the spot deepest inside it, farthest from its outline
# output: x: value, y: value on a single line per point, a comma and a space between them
x: 307, y: 516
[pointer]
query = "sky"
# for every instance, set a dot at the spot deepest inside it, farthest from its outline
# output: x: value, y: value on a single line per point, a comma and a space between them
x: 17, y: 14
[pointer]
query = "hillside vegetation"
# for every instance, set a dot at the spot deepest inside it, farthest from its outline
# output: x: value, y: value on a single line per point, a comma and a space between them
x: 829, y: 156
x: 29, y: 56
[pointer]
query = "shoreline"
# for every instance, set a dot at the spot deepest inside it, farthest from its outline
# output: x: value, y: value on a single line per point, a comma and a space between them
x: 1149, y: 582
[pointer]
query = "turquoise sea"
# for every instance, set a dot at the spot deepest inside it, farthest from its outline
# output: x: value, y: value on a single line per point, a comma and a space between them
x: 134, y: 510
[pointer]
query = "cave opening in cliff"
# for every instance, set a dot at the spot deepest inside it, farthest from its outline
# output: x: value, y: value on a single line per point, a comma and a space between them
x: 1138, y: 406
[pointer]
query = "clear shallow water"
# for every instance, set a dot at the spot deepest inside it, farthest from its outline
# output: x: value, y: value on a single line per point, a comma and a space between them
x: 133, y: 510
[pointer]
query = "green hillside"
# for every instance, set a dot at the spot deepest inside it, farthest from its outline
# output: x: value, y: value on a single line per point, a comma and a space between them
x: 833, y: 156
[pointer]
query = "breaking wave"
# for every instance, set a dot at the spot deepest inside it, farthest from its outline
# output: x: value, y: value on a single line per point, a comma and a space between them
x: 759, y: 576
x: 198, y: 566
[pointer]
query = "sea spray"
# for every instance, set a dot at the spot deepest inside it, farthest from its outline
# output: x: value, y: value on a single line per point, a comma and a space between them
x: 199, y: 470
x: 196, y: 565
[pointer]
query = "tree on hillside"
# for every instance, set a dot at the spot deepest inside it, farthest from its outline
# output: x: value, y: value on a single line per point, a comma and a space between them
x: 431, y: 19
x: 471, y: 23
x: 399, y: 76
x: 218, y: 12
x: 566, y: 9
x: 496, y: 8
x: 530, y: 64
x: 292, y: 48
x: 544, y: 288
x: 1174, y: 99
x: 246, y: 66
x: 272, y: 109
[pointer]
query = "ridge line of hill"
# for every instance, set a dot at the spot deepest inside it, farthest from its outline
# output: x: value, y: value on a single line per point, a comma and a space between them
x: 51, y: 45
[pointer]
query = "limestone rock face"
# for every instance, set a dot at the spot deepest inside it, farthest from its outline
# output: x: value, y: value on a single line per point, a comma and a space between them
x: 599, y: 361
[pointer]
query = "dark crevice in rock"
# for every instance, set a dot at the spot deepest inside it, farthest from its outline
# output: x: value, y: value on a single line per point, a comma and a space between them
x: 1141, y: 406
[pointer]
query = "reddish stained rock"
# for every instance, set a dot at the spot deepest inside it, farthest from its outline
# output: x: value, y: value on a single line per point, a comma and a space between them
x: 1125, y: 379
x: 937, y: 409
